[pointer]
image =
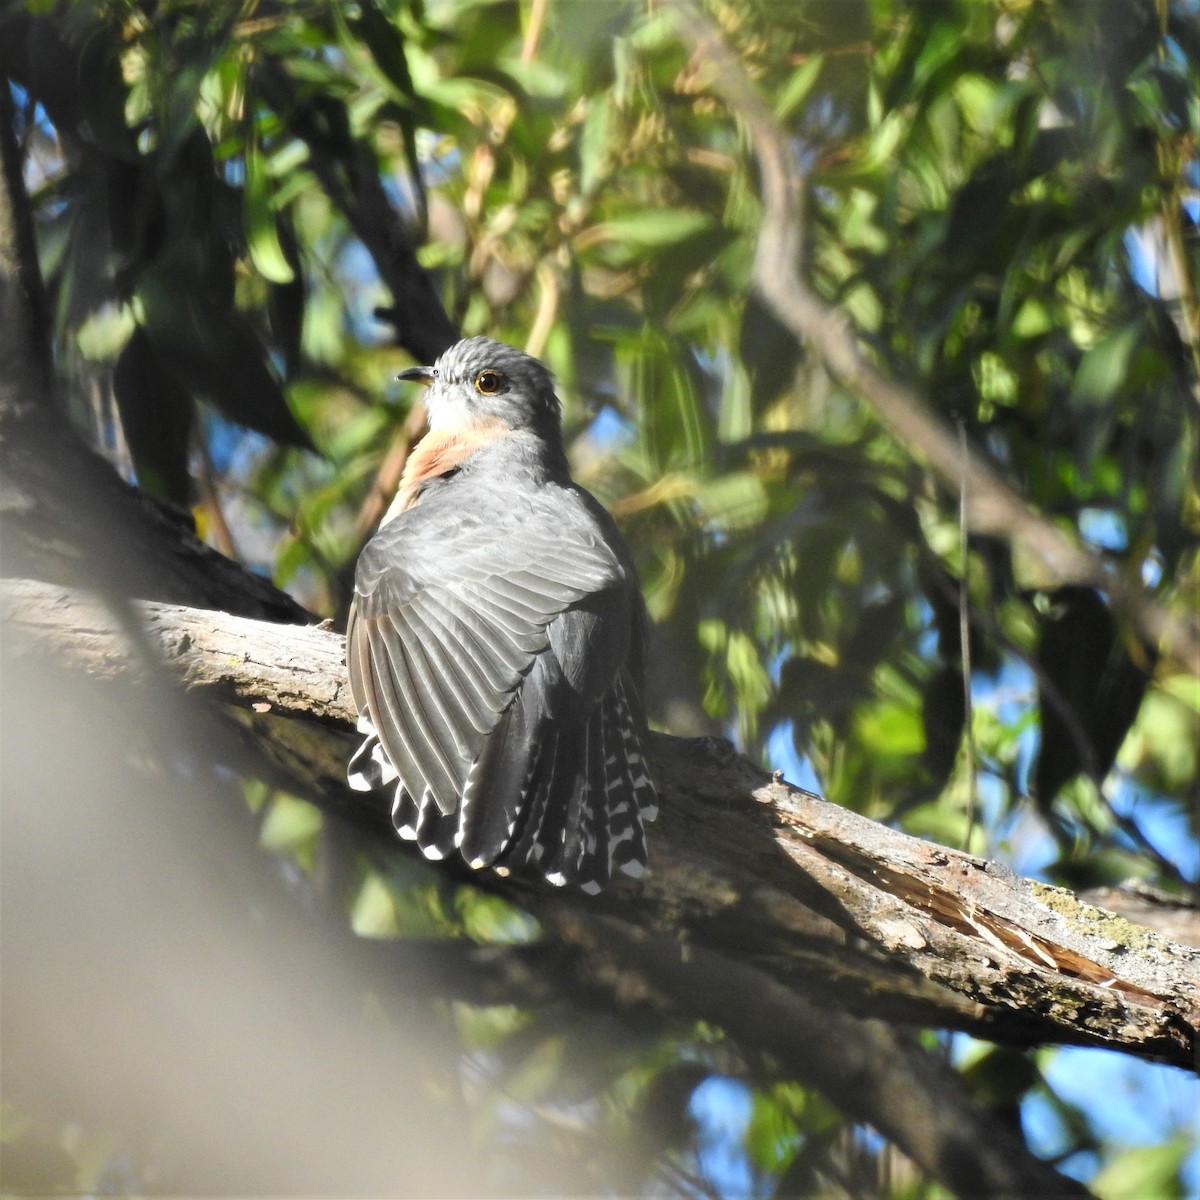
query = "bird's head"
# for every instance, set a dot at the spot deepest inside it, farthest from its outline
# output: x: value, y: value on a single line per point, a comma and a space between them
x: 480, y: 382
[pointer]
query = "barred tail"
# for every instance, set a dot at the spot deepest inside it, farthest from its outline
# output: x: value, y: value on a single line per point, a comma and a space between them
x: 567, y: 802
x: 589, y: 802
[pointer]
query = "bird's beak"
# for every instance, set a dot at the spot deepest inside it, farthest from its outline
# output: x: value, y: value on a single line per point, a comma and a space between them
x: 422, y: 375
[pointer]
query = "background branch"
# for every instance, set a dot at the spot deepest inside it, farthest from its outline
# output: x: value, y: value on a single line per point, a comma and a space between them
x: 348, y: 172
x: 994, y: 508
x: 24, y: 330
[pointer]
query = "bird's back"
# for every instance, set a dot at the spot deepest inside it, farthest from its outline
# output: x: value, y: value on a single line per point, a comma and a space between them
x: 495, y: 648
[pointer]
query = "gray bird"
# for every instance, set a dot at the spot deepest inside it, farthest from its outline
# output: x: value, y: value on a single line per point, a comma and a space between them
x: 496, y: 640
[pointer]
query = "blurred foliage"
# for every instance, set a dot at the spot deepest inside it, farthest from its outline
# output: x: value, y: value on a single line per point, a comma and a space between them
x: 1004, y: 198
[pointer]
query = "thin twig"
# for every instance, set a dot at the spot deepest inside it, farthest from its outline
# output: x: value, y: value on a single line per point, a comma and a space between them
x: 549, y: 293
x: 964, y: 636
x: 222, y: 535
x: 533, y: 31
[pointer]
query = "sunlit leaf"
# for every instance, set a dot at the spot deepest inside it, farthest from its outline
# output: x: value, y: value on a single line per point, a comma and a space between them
x: 798, y: 88
x: 651, y: 229
x: 262, y: 235
x: 1142, y: 1171
x: 291, y: 823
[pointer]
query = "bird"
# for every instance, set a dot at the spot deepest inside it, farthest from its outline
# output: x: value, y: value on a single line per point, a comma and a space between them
x: 496, y: 640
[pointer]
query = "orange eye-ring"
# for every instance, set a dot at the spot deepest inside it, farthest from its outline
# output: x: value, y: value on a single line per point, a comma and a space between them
x: 488, y: 382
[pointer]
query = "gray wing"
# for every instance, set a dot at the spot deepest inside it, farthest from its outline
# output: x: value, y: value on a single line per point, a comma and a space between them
x: 450, y: 614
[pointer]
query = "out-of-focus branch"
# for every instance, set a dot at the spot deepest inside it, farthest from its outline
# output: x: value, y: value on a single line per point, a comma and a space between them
x: 65, y: 514
x: 186, y: 847
x: 347, y: 170
x: 1171, y: 916
x: 24, y: 332
x: 779, y: 276
x: 866, y: 1068
x: 653, y: 947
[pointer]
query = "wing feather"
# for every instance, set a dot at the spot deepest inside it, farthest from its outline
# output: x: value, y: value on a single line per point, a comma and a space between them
x: 483, y: 644
x: 392, y: 724
x: 496, y: 666
x: 497, y: 790
x: 440, y: 707
x: 435, y: 829
x: 473, y: 696
x: 427, y: 737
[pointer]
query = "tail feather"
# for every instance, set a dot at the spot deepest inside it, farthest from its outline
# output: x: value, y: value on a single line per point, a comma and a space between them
x: 595, y: 861
x: 588, y: 802
x: 629, y: 820
x: 526, y: 848
x: 567, y: 801
x: 497, y: 788
x: 560, y: 835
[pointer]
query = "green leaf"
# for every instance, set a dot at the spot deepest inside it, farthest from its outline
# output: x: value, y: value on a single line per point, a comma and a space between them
x: 798, y: 87
x: 677, y: 430
x: 734, y: 501
x: 1099, y: 382
x: 538, y: 1072
x: 291, y: 823
x: 653, y: 228
x: 492, y: 920
x: 593, y: 146
x: 771, y: 1135
x: 386, y: 46
x: 262, y: 235
x: 1144, y: 1171
x: 213, y: 352
x: 1033, y: 319
x: 373, y: 913
x: 999, y: 1076
x: 890, y: 729
x: 1163, y: 746
x: 157, y: 415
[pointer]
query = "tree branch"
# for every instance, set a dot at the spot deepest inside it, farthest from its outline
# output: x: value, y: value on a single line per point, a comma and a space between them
x: 24, y: 329
x: 855, y: 915
x: 865, y: 1067
x: 347, y: 170
x: 995, y: 507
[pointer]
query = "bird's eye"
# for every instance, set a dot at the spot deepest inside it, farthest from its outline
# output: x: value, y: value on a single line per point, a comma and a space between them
x: 489, y: 382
